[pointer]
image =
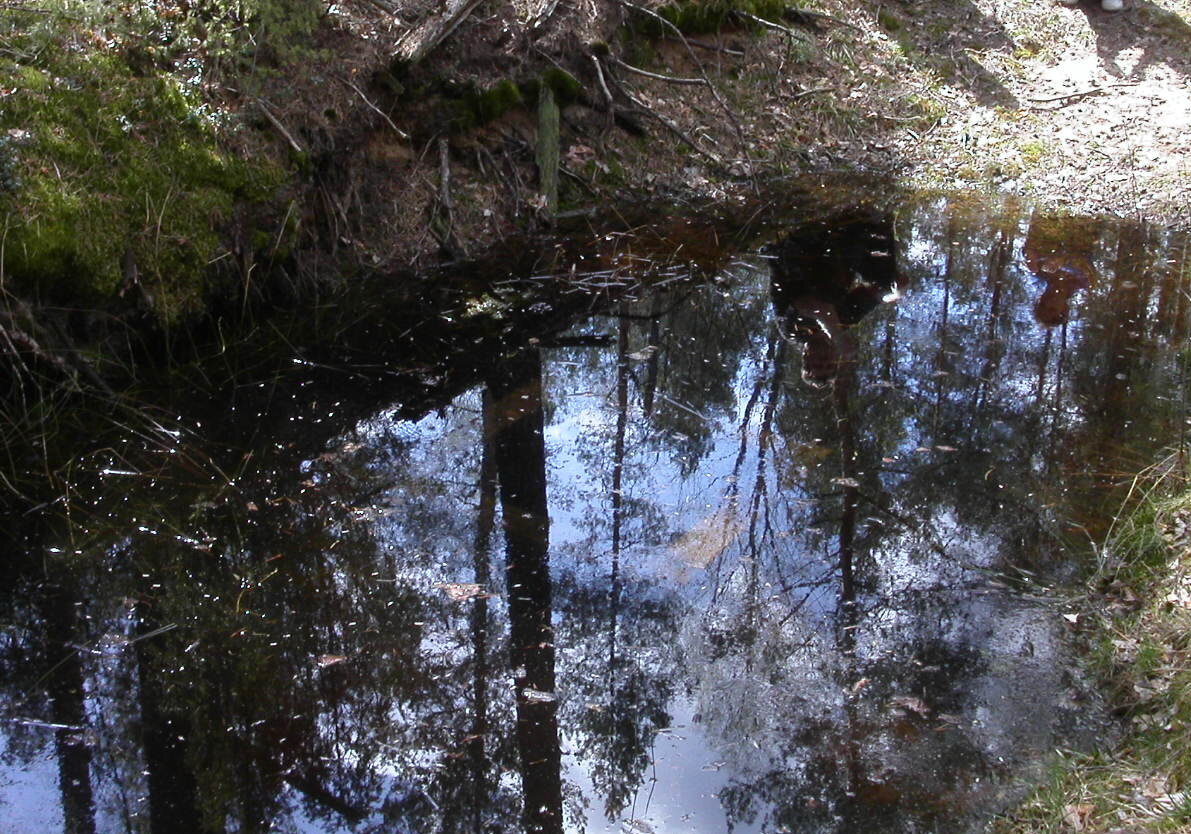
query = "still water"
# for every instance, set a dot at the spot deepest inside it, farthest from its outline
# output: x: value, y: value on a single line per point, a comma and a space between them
x: 758, y: 536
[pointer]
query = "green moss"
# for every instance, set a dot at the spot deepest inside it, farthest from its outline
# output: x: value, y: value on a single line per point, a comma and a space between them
x: 566, y: 88
x: 888, y: 20
x: 494, y: 102
x: 113, y: 161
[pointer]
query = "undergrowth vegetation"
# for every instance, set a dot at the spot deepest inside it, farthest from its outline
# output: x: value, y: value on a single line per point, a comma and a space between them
x: 113, y: 175
x: 1138, y: 622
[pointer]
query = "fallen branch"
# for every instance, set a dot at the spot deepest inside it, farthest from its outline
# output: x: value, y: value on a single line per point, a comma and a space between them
x: 543, y: 13
x: 415, y: 44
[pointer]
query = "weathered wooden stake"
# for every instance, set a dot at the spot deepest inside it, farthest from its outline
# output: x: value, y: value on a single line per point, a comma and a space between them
x: 548, y: 149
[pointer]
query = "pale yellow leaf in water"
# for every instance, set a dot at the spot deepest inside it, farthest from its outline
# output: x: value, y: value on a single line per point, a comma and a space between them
x: 462, y: 591
x: 707, y: 540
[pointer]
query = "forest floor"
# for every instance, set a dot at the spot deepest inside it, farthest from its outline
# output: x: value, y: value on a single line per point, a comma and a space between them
x: 1074, y: 107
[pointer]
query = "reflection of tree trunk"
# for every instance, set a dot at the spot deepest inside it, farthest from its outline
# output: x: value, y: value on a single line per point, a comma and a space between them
x: 651, y: 363
x: 760, y: 491
x: 622, y: 416
x: 65, y: 681
x: 941, y: 361
x: 999, y: 260
x: 849, y: 614
x: 520, y: 452
x: 847, y: 527
x: 172, y: 789
x: 1043, y: 361
x: 485, y: 519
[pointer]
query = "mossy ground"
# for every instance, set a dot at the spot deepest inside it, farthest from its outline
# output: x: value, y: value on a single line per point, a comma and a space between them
x: 115, y: 172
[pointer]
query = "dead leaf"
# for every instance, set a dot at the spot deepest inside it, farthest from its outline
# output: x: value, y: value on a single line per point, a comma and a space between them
x: 1076, y: 817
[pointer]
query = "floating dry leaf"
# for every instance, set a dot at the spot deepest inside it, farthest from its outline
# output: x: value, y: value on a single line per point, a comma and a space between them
x: 537, y: 696
x: 911, y: 703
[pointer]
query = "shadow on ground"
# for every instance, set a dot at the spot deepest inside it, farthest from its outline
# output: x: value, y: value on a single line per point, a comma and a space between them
x: 946, y: 41
x: 1161, y: 36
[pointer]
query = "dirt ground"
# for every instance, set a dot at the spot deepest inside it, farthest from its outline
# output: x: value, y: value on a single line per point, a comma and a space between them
x: 1071, y: 108
x: 1078, y: 108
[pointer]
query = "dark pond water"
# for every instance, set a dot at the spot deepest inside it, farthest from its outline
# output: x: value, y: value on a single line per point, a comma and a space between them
x: 756, y: 537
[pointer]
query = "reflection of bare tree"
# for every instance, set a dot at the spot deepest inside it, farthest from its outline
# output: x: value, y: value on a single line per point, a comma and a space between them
x: 520, y: 453
x: 485, y: 520
x: 166, y: 734
x: 59, y: 608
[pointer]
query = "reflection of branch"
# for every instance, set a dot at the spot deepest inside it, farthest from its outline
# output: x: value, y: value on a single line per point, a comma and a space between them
x: 906, y: 522
x: 310, y: 788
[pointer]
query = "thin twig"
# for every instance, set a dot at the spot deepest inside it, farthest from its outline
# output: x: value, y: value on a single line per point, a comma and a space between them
x: 1095, y: 91
x: 401, y: 134
x: 273, y: 120
x: 769, y: 24
x: 668, y: 78
x: 813, y: 91
x: 799, y: 16
x: 711, y: 47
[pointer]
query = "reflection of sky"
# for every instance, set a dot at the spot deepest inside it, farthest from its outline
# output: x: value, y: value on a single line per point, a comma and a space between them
x: 29, y: 791
x: 916, y: 593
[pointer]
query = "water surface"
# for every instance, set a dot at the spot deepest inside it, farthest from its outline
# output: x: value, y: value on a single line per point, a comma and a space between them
x: 757, y: 537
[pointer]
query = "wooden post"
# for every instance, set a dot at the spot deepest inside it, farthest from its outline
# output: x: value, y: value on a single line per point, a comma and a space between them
x: 548, y: 149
